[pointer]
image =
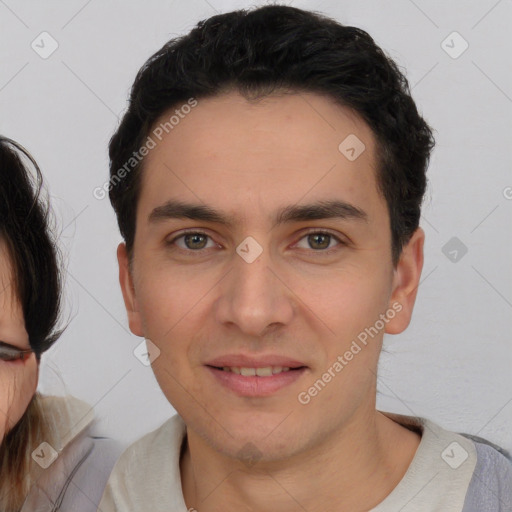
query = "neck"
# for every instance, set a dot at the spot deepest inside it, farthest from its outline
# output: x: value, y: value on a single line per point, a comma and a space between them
x: 354, y: 468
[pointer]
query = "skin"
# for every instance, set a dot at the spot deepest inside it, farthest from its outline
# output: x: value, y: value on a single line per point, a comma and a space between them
x: 249, y: 160
x: 18, y: 379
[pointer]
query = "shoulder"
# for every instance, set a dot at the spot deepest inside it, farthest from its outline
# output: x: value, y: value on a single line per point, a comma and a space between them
x: 136, y: 480
x: 66, y: 417
x: 464, y: 473
x: 154, y: 449
x: 74, y: 463
x: 490, y: 488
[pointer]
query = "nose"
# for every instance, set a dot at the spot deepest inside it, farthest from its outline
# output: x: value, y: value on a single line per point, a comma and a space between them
x: 254, y: 297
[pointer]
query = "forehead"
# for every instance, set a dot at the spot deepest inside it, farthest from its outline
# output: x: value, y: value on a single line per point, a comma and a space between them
x: 257, y: 155
x: 7, y: 288
x: 9, y: 301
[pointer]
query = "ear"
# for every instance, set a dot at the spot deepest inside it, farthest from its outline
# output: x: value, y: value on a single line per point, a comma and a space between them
x: 406, y: 280
x: 128, y: 289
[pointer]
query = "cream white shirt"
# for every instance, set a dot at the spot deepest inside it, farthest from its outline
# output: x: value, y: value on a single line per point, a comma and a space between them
x: 147, y: 475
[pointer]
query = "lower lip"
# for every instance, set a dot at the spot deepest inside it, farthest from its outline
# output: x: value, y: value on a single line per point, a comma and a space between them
x: 254, y: 385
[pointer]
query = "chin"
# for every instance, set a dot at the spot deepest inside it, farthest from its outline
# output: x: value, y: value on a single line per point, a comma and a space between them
x: 252, y: 438
x: 252, y: 451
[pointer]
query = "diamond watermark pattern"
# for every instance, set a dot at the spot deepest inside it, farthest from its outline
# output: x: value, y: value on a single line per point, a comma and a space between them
x: 454, y: 455
x: 44, y: 45
x: 454, y: 249
x: 146, y: 352
x: 250, y: 454
x: 352, y: 147
x: 45, y: 455
x: 249, y: 249
x: 454, y: 45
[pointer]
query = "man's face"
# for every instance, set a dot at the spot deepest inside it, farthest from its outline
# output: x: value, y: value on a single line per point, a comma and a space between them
x: 320, y: 280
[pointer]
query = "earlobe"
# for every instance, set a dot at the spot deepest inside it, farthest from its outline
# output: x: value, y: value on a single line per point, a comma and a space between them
x: 128, y: 290
x: 406, y: 280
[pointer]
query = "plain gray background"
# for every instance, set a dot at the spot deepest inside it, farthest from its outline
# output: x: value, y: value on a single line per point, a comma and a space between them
x: 452, y: 365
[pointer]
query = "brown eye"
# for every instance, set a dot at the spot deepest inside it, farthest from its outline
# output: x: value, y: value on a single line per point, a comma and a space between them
x: 192, y: 241
x: 319, y: 240
x: 195, y: 241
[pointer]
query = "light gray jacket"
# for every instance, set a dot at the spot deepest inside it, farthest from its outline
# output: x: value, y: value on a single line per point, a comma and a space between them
x: 74, y: 467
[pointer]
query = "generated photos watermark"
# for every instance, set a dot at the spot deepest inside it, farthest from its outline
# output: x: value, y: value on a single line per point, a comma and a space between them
x: 357, y: 345
x: 157, y: 134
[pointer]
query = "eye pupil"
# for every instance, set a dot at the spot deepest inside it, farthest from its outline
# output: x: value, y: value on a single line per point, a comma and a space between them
x: 322, y: 239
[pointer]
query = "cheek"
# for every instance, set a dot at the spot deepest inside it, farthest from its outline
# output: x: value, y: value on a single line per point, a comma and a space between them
x: 18, y: 382
x: 166, y: 309
x: 168, y: 299
x: 346, y: 301
x: 350, y: 304
x: 174, y: 306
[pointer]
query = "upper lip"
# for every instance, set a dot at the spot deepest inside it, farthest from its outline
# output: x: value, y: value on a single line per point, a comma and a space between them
x: 244, y: 361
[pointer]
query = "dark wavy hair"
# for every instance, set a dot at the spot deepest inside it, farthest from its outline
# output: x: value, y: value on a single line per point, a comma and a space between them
x: 24, y: 226
x: 36, y: 283
x: 280, y: 48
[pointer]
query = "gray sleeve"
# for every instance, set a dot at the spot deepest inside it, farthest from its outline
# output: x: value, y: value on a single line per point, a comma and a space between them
x: 490, y: 489
x: 84, y: 487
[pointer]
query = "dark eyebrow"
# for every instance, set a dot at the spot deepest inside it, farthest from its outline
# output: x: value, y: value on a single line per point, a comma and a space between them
x: 320, y: 210
x: 295, y: 213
